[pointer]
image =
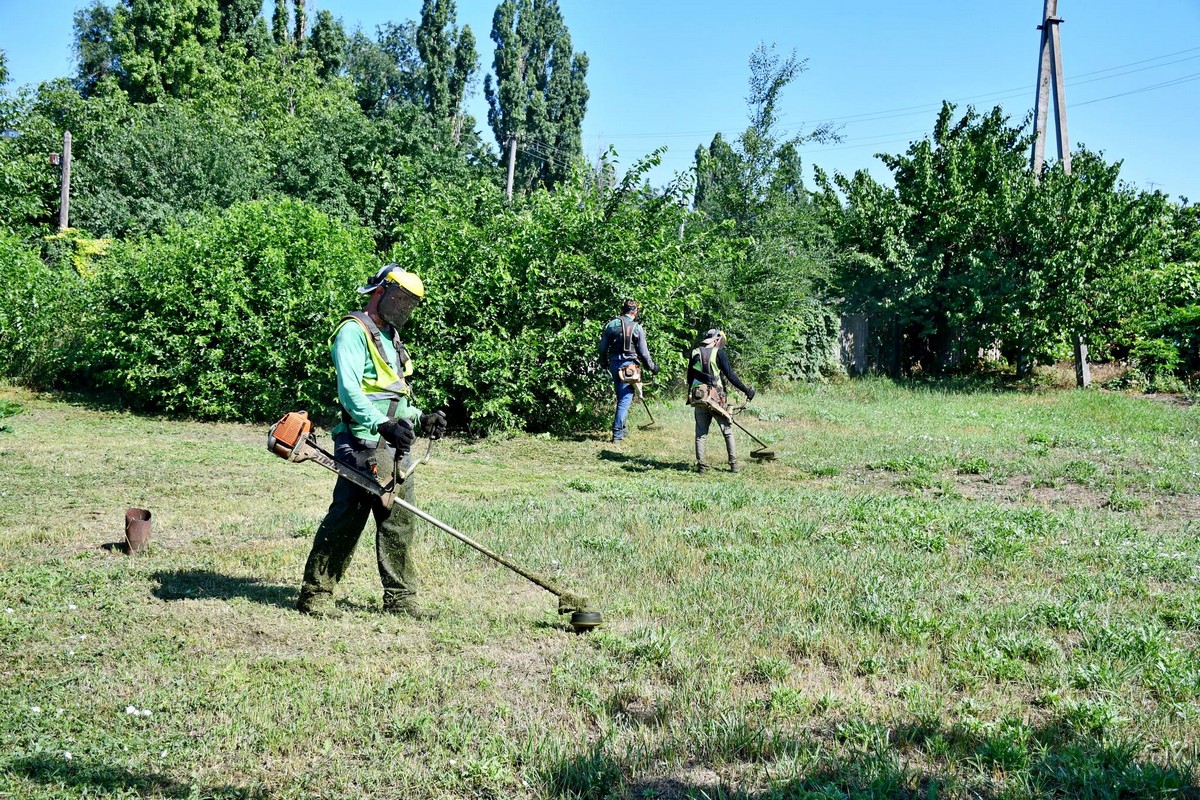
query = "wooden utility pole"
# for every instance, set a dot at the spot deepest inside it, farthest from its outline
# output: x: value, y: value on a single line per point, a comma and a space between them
x: 512, y: 162
x: 64, y: 207
x: 1050, y: 83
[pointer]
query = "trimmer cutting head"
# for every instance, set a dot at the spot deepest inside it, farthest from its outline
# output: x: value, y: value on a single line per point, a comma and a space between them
x: 584, y: 621
x: 763, y: 454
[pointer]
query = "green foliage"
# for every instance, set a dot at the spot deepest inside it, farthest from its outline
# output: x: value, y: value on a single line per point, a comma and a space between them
x: 539, y: 93
x: 507, y: 333
x: 327, y: 44
x: 229, y: 317
x: 775, y: 305
x: 163, y: 48
x: 448, y: 56
x: 970, y: 252
x: 40, y: 314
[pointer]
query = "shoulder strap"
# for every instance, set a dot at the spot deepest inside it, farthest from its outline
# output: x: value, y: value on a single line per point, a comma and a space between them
x: 372, y: 329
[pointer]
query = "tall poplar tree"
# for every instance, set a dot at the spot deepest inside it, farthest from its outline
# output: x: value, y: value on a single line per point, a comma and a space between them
x: 448, y: 57
x: 279, y: 22
x: 539, y: 93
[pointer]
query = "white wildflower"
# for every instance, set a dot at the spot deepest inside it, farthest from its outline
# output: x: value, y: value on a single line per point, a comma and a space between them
x: 146, y: 712
x: 36, y: 709
x: 71, y: 606
x: 67, y: 755
x: 130, y: 710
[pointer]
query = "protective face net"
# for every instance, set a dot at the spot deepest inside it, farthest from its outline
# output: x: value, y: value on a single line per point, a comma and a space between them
x: 396, y: 305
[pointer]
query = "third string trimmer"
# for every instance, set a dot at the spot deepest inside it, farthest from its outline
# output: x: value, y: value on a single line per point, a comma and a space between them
x: 292, y: 438
x: 703, y: 395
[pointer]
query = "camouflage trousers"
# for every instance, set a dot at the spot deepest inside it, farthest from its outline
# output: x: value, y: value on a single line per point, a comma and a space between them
x: 339, y: 532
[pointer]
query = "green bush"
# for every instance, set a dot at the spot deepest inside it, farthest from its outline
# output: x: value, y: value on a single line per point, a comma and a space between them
x: 230, y: 317
x: 41, y: 312
x: 518, y: 295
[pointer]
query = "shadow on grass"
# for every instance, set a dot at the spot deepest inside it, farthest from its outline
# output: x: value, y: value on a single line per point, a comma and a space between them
x: 83, y: 779
x: 857, y: 758
x: 198, y: 584
x: 639, y: 463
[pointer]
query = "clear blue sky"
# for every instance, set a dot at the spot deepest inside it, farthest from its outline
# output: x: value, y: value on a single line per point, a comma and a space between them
x: 673, y: 73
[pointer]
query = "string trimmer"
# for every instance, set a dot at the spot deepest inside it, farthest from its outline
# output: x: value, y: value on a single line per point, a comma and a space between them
x: 292, y: 438
x: 702, y: 395
x: 632, y: 374
x: 762, y: 453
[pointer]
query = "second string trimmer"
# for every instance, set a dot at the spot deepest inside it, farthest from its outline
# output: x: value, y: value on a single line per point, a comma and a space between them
x: 292, y: 438
x: 632, y: 375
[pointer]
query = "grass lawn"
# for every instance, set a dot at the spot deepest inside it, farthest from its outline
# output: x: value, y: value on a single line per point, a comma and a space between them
x: 932, y: 593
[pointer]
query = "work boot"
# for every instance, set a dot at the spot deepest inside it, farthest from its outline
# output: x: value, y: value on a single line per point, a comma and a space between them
x: 408, y: 608
x: 321, y: 609
x: 701, y: 468
x: 734, y: 467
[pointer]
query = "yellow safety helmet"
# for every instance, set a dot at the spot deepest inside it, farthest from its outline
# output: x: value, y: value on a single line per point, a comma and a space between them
x: 393, y: 273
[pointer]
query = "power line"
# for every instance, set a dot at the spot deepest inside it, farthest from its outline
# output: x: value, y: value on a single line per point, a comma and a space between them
x: 1175, y: 82
x: 1002, y: 94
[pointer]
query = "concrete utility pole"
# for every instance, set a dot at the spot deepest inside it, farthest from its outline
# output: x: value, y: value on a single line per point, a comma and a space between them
x: 1050, y: 76
x: 512, y: 162
x: 64, y: 207
x: 1050, y: 81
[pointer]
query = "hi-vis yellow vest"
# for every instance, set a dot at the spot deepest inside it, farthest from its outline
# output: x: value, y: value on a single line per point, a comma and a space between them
x: 707, y: 356
x: 389, y: 381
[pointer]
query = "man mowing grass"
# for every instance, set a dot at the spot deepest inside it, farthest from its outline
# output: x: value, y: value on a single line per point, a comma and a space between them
x: 379, y: 423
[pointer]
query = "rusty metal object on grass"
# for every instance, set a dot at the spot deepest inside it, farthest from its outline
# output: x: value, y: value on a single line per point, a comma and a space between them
x: 137, y: 529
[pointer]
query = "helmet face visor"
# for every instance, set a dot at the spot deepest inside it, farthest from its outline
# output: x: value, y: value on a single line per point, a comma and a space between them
x: 396, y: 305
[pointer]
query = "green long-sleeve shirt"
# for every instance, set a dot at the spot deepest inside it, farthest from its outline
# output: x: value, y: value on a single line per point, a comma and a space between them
x: 352, y: 361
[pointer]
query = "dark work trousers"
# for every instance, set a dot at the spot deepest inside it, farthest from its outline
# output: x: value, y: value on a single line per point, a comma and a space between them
x: 704, y: 418
x: 344, y: 523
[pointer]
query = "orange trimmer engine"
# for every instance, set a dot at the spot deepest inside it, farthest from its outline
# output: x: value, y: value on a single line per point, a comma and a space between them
x: 292, y: 438
x: 287, y: 434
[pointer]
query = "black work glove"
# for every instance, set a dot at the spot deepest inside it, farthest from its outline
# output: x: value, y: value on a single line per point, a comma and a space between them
x: 750, y: 392
x: 654, y: 370
x: 399, y: 434
x: 434, y: 425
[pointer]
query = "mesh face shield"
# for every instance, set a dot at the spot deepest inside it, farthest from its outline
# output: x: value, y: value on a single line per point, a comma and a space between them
x: 396, y: 305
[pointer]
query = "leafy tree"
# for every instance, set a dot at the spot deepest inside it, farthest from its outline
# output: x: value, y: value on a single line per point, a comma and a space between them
x: 228, y: 317
x: 237, y: 18
x: 937, y: 242
x: 301, y: 22
x: 280, y: 20
x: 448, y: 59
x: 163, y: 47
x: 515, y: 332
x: 539, y: 93
x: 386, y: 70
x: 95, y: 50
x: 327, y: 44
x: 774, y: 305
x: 3, y: 68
